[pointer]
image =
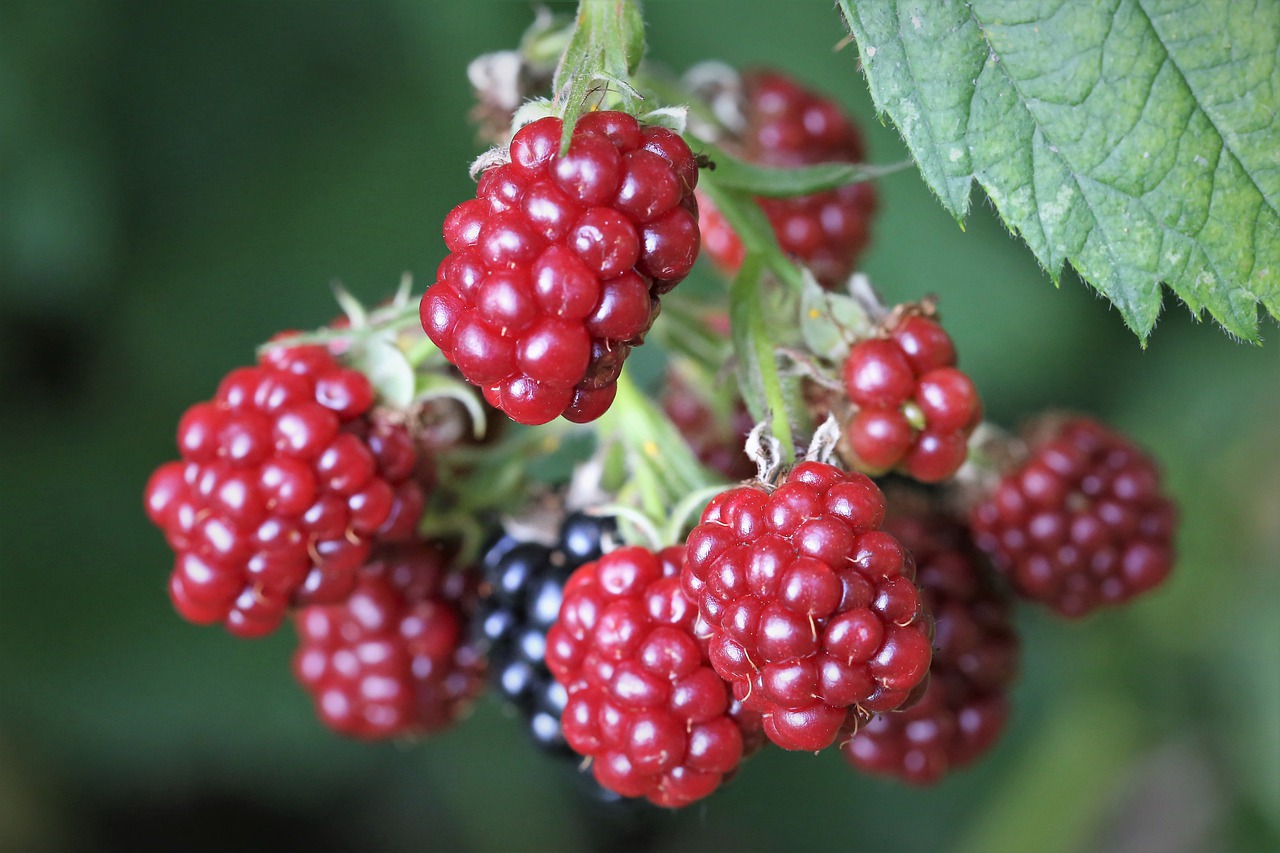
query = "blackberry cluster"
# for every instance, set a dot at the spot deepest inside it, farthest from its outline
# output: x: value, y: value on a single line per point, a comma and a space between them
x: 809, y: 609
x: 1082, y: 523
x: 394, y: 658
x: 557, y: 264
x: 524, y: 585
x: 287, y: 480
x: 794, y: 613
x: 975, y: 660
x: 789, y: 126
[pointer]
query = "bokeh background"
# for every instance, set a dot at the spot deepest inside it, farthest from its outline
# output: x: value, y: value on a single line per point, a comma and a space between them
x: 180, y: 180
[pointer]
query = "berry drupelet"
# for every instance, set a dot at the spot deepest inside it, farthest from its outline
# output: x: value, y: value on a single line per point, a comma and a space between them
x: 394, y: 659
x: 287, y: 479
x: 557, y: 264
x: 1082, y: 523
x: 808, y: 607
x: 975, y: 659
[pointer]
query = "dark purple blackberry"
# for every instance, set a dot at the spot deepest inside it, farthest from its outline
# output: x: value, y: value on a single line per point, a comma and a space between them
x: 524, y: 584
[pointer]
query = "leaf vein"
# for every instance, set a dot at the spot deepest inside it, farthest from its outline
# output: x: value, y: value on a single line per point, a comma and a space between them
x: 1200, y: 99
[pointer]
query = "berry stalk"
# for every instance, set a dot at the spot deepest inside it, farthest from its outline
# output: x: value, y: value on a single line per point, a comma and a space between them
x: 661, y: 470
x: 605, y: 48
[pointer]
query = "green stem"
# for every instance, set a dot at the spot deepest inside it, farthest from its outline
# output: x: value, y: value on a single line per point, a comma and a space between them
x: 661, y: 469
x: 748, y: 221
x: 604, y: 50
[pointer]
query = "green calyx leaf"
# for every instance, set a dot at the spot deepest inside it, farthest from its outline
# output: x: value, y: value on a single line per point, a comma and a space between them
x: 435, y: 386
x: 387, y: 369
x: 831, y: 322
x: 544, y: 42
x: 732, y: 173
x: 1134, y: 139
x: 606, y: 46
x: 386, y: 344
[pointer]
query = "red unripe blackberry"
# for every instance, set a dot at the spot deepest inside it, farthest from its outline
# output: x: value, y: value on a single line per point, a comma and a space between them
x: 286, y: 481
x: 808, y: 606
x: 557, y: 264
x: 644, y: 703
x: 789, y: 126
x: 394, y: 658
x: 912, y: 409
x: 975, y: 659
x: 1082, y: 523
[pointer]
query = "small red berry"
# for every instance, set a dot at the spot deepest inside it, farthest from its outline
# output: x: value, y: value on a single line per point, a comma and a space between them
x: 393, y: 659
x: 912, y: 409
x: 809, y: 608
x: 285, y: 483
x: 1082, y: 523
x: 643, y: 701
x: 558, y: 263
x: 789, y: 126
x: 975, y: 659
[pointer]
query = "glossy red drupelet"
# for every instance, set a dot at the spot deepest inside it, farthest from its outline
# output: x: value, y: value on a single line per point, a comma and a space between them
x: 975, y: 660
x: 644, y: 703
x: 789, y: 126
x: 558, y: 263
x: 808, y: 606
x: 912, y: 409
x: 285, y: 482
x: 1082, y: 523
x: 394, y: 658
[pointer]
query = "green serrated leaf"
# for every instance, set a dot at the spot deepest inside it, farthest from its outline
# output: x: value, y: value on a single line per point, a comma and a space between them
x: 758, y: 376
x: 737, y: 174
x: 387, y: 370
x: 1134, y: 139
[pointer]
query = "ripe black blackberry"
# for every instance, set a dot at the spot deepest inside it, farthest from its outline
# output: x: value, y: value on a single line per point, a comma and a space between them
x: 524, y: 583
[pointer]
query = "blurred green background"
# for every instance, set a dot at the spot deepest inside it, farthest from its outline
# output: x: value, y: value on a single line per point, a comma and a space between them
x: 180, y: 180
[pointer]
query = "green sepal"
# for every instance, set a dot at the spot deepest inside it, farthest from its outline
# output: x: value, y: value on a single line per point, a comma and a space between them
x: 830, y: 322
x: 435, y: 386
x: 386, y: 368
